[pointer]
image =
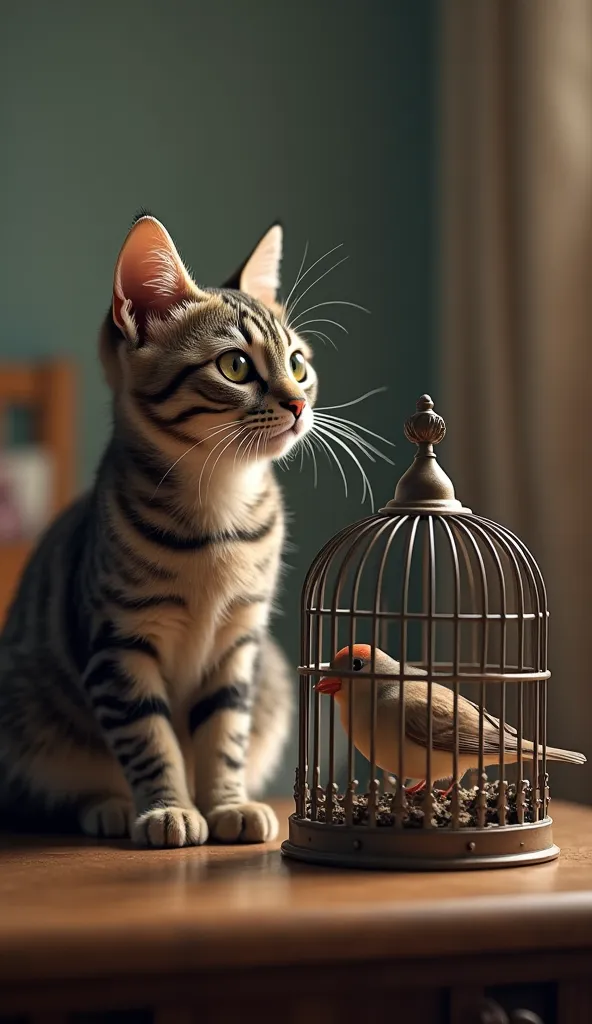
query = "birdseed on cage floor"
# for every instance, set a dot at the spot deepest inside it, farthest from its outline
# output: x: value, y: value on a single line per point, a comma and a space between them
x: 441, y: 808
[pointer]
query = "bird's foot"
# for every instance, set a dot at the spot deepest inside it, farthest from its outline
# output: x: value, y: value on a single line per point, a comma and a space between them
x: 412, y: 790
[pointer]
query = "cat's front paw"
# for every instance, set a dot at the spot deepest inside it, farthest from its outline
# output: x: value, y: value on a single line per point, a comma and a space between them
x: 170, y: 827
x: 243, y: 823
x: 107, y: 817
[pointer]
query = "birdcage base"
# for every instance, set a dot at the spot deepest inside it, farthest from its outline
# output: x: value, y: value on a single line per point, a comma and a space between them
x: 363, y: 846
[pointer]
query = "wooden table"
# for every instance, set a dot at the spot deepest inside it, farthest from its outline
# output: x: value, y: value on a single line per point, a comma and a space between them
x: 237, y: 933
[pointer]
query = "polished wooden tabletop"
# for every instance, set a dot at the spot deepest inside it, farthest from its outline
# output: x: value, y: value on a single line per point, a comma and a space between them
x: 108, y: 908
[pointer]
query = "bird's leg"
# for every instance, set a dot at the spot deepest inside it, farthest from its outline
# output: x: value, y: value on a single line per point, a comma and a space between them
x: 412, y: 790
x: 446, y: 792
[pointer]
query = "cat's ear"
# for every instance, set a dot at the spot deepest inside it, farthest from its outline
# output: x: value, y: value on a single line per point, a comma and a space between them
x: 259, y: 275
x: 150, y: 277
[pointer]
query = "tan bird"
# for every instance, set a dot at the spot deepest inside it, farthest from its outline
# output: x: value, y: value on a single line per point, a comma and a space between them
x: 416, y: 721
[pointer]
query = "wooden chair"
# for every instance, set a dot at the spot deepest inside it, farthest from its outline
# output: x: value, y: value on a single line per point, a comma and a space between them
x: 46, y: 391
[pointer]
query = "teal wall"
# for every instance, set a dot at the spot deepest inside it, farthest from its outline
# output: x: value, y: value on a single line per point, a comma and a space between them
x: 220, y: 117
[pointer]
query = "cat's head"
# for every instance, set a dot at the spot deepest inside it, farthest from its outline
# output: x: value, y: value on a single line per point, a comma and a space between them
x: 218, y: 366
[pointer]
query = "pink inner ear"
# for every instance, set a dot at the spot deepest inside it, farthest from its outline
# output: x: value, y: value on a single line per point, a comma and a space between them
x: 150, y: 276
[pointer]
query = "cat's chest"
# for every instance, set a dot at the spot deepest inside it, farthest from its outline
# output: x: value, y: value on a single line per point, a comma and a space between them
x: 227, y: 590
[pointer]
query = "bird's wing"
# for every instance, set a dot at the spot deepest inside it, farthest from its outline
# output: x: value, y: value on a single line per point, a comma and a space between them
x: 416, y: 722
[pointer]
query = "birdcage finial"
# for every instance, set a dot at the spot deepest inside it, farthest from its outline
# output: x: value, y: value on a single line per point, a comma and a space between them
x: 425, y: 426
x: 425, y: 485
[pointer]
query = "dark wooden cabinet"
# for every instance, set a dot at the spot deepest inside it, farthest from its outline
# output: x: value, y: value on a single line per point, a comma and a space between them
x: 92, y: 934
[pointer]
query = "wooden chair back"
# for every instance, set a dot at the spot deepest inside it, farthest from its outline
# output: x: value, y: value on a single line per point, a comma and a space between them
x: 47, y: 392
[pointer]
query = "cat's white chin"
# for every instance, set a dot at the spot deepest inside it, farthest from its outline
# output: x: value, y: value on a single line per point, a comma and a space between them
x: 279, y: 443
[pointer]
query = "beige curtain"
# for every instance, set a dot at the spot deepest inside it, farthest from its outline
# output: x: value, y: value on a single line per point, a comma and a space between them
x: 516, y: 307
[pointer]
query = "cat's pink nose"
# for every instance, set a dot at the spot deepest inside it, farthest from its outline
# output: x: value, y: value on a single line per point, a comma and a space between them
x: 295, y: 405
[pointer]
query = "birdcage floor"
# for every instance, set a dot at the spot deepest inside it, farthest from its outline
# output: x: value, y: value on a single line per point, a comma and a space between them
x: 442, y: 810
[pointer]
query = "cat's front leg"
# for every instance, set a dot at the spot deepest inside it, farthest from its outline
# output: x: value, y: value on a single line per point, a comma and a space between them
x: 128, y: 697
x: 220, y: 724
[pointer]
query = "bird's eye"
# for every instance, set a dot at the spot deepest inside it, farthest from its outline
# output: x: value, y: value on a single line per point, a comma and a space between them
x: 236, y: 367
x: 298, y: 366
x: 357, y: 664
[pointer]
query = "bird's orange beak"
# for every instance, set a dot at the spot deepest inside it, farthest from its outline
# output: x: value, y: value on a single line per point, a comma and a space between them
x: 328, y: 684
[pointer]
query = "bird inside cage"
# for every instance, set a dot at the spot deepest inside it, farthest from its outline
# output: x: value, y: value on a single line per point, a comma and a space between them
x: 355, y: 696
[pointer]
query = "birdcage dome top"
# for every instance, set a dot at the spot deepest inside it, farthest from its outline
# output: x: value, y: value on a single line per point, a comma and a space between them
x: 426, y: 558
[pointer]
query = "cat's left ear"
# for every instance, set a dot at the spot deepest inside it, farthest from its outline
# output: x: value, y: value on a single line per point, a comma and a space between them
x: 259, y: 275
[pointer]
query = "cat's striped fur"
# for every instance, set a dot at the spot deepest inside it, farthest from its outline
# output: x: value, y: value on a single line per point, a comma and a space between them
x: 138, y: 684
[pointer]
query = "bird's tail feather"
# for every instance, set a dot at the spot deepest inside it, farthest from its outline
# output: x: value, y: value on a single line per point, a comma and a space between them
x: 555, y: 754
x: 568, y: 756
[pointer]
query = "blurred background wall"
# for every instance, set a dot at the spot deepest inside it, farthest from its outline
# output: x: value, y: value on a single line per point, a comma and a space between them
x: 220, y: 117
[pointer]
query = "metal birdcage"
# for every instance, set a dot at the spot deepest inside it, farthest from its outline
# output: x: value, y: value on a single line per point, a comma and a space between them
x: 460, y: 603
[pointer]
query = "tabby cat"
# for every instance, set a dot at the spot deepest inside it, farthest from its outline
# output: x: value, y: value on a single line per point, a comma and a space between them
x: 139, y: 688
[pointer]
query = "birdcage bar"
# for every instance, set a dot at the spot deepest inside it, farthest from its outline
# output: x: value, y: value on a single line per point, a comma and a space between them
x: 470, y: 582
x: 394, y: 528
x: 373, y: 788
x: 317, y: 579
x: 425, y: 567
x: 316, y: 728
x: 366, y: 543
x: 351, y: 689
x: 401, y: 806
x: 539, y: 654
x: 324, y: 669
x: 510, y: 553
x: 535, y: 760
x: 365, y: 613
x: 482, y: 776
x: 493, y: 550
x: 428, y: 660
x: 454, y: 799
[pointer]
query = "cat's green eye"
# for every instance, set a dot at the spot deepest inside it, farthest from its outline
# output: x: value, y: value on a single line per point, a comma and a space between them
x: 298, y: 366
x: 235, y: 366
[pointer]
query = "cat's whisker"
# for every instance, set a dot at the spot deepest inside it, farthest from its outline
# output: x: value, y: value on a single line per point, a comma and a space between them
x: 308, y: 270
x: 324, y: 320
x: 365, y: 481
x: 259, y: 438
x: 239, y: 446
x: 316, y: 281
x: 248, y: 450
x: 233, y: 437
x: 219, y: 456
x: 360, y: 442
x: 324, y: 430
x: 175, y: 463
x: 298, y: 276
x: 257, y: 434
x: 219, y: 426
x: 218, y: 429
x: 354, y: 401
x: 330, y: 302
x: 322, y: 336
x: 338, y: 420
x: 365, y: 446
x: 329, y: 451
x: 369, y: 449
x: 308, y: 446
